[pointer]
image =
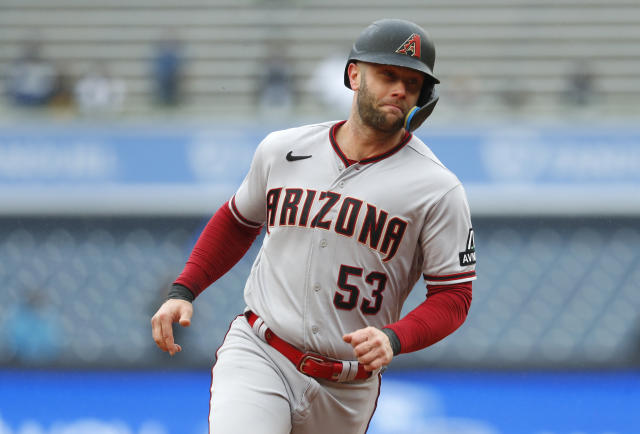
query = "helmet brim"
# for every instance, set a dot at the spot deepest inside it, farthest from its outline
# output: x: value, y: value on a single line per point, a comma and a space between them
x: 391, y: 59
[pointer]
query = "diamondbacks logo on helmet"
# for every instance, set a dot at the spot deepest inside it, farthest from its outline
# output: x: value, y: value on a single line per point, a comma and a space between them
x: 410, y: 47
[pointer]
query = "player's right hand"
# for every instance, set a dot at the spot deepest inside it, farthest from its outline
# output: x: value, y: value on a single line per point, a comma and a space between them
x: 173, y: 310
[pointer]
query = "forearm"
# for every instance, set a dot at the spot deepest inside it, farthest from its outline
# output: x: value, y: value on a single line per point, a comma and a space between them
x: 222, y: 243
x: 444, y: 310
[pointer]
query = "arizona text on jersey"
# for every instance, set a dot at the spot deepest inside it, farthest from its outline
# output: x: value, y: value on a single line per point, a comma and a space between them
x: 345, y: 238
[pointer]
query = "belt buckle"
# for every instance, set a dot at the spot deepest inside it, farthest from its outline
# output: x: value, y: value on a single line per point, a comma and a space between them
x: 304, y: 359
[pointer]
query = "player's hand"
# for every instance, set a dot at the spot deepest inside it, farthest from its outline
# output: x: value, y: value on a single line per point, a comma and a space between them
x: 371, y: 346
x: 171, y: 311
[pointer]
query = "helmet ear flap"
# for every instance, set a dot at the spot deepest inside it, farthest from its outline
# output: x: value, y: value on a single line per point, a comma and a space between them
x: 418, y: 115
x: 427, y: 93
x: 426, y: 103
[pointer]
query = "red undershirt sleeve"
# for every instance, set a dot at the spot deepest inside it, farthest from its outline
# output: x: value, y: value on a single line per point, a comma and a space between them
x: 222, y: 243
x: 444, y: 310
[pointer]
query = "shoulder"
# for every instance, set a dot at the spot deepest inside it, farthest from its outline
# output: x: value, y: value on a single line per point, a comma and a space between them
x: 426, y: 165
x: 423, y: 152
x: 301, y: 132
x: 302, y: 139
x: 439, y: 187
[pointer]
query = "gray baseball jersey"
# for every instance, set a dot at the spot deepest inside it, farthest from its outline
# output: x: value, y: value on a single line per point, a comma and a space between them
x: 346, y: 243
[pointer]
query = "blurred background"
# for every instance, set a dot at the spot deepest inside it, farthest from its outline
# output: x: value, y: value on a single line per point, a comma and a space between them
x: 125, y: 124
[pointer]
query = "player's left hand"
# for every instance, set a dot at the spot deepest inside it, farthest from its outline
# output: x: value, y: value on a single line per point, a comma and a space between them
x: 371, y: 346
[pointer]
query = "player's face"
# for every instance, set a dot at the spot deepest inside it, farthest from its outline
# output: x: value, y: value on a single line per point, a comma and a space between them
x: 386, y: 94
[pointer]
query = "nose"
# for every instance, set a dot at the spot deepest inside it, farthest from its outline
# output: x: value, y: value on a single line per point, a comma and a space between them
x: 399, y: 89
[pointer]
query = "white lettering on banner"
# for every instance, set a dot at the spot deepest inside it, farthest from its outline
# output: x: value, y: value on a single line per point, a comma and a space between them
x: 82, y: 426
x: 214, y: 159
x: 517, y: 156
x: 47, y: 161
x: 525, y: 156
x: 598, y: 161
x: 417, y: 408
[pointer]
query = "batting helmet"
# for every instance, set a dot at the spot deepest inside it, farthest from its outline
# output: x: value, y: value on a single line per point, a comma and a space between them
x: 400, y: 43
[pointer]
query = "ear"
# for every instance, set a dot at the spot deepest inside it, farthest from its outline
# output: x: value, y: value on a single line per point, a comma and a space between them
x: 355, y: 74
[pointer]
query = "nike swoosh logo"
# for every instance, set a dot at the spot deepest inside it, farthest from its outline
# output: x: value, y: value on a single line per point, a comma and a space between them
x: 291, y: 157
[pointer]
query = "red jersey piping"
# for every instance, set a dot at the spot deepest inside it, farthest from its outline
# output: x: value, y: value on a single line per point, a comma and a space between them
x: 346, y: 161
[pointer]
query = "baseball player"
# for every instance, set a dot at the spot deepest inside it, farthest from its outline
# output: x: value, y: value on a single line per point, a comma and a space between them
x: 355, y: 212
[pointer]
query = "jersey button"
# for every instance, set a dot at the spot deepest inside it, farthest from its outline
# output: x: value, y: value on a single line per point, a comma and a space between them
x: 341, y: 184
x: 316, y: 287
x: 323, y: 243
x: 315, y: 329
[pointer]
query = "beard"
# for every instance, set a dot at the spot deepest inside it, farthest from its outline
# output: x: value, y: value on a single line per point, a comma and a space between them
x: 374, y: 117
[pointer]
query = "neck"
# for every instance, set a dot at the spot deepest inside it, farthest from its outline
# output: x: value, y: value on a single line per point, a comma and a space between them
x: 358, y: 141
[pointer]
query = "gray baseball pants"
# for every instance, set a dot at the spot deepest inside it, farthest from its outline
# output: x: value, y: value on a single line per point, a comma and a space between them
x: 256, y: 390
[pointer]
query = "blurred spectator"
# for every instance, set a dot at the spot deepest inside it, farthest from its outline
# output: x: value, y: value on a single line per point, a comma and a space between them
x: 97, y: 92
x: 580, y: 84
x: 275, y: 85
x: 462, y: 90
x: 33, y: 334
x: 327, y: 83
x: 513, y: 94
x: 167, y: 70
x: 31, y: 80
x: 63, y: 98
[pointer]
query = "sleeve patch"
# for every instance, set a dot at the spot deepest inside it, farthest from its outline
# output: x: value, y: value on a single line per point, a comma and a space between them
x: 468, y: 256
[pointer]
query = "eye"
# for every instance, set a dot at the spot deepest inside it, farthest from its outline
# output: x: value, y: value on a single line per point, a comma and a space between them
x: 413, y: 85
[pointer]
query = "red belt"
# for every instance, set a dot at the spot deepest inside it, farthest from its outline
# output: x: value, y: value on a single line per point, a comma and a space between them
x: 311, y: 364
